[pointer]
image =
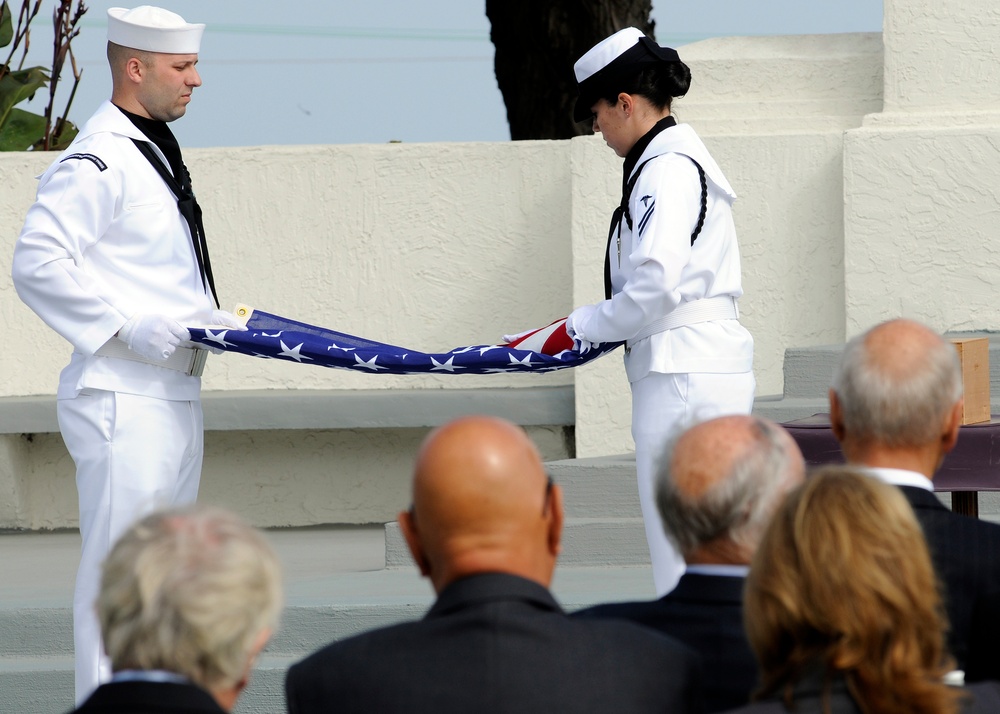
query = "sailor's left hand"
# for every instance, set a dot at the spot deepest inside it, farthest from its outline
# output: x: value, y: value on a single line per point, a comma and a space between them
x: 227, y: 319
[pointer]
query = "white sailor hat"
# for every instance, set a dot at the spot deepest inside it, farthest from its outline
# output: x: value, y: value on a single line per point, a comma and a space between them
x: 612, y: 60
x: 153, y: 29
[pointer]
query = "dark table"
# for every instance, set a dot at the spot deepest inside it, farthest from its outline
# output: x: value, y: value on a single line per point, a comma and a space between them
x: 972, y: 466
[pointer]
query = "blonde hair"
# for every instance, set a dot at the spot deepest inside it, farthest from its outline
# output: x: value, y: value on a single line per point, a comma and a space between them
x: 189, y: 591
x: 843, y: 581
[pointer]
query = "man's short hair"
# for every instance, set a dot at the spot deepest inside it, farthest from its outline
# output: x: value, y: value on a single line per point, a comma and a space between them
x: 738, y: 505
x: 890, y: 407
x: 119, y: 55
x: 189, y: 591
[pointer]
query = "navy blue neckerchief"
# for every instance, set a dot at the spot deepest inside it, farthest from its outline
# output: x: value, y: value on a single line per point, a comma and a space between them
x: 179, y: 183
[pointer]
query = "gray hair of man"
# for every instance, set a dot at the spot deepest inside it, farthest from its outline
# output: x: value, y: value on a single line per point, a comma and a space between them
x: 739, y: 505
x: 894, y: 407
x: 191, y: 591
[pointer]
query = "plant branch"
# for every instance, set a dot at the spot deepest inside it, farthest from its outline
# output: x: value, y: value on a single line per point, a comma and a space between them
x: 24, y: 18
x: 64, y: 24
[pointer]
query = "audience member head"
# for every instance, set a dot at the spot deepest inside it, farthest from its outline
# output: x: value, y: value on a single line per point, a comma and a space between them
x: 842, y: 585
x: 719, y: 483
x: 897, y: 395
x: 194, y: 591
x: 482, y: 503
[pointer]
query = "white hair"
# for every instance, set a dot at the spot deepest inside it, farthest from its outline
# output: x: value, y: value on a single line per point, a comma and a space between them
x: 891, y: 407
x: 189, y: 591
x: 738, y: 505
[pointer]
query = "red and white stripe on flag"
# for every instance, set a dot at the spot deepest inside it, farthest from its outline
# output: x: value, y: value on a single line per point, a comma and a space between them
x: 549, y: 340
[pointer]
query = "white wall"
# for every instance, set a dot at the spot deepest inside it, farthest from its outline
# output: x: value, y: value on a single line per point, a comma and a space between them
x: 922, y: 177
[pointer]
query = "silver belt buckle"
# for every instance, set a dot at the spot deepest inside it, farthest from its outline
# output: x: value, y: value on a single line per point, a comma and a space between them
x: 198, y: 360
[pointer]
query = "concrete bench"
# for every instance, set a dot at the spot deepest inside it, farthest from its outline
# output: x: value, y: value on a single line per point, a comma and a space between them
x: 266, y: 409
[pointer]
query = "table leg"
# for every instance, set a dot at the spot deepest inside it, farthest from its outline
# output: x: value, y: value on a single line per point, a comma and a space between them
x: 965, y: 502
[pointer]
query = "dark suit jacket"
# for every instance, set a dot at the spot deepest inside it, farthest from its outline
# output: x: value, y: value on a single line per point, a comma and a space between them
x: 149, y: 698
x: 705, y: 612
x: 983, y: 698
x: 498, y: 643
x: 966, y: 554
x: 807, y: 699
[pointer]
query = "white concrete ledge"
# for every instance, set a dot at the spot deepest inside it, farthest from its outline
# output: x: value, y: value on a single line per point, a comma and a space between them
x: 272, y: 409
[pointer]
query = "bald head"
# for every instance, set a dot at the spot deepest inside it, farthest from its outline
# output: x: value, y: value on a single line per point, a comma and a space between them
x: 481, y: 503
x: 897, y: 387
x: 721, y: 481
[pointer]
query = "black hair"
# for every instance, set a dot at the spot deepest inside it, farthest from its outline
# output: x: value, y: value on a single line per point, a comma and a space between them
x: 660, y: 83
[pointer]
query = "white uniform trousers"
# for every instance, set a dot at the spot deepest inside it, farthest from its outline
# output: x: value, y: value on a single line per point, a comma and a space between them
x: 663, y: 404
x: 133, y: 454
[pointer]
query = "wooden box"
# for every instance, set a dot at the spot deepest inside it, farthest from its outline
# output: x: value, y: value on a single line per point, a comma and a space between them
x: 974, y: 354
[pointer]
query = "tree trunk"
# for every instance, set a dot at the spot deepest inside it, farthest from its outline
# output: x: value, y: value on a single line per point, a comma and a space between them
x: 537, y: 42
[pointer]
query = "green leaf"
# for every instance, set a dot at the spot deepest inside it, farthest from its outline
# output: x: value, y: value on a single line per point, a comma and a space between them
x: 18, y: 86
x: 63, y: 139
x: 21, y: 131
x: 6, y: 25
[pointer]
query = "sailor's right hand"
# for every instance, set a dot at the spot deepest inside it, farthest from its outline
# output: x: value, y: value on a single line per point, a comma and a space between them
x: 154, y: 337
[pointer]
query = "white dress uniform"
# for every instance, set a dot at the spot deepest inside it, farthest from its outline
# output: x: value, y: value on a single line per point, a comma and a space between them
x: 105, y: 241
x: 688, y: 358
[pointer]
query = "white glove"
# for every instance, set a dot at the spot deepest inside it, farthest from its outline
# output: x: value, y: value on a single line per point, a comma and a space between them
x: 575, y: 319
x: 153, y: 336
x: 227, y: 319
x: 582, y: 346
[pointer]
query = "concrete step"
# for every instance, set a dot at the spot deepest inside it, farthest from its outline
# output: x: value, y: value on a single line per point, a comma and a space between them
x: 586, y: 542
x: 598, y: 487
x: 784, y: 409
x: 808, y: 371
x: 37, y: 685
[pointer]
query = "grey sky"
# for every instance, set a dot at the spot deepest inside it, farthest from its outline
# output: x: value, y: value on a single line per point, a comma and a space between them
x: 368, y: 72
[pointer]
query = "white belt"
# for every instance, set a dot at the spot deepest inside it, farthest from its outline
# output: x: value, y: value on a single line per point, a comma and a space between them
x: 689, y: 313
x: 188, y: 360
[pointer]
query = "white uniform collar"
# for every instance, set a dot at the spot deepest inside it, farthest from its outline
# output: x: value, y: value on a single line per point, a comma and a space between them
x: 109, y: 118
x: 682, y: 139
x: 149, y: 675
x: 731, y: 571
x: 900, y: 477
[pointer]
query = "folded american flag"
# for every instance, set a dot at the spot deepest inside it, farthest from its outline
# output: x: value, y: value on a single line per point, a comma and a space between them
x: 274, y: 337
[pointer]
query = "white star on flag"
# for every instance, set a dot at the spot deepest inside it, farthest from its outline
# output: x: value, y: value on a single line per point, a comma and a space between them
x: 526, y: 362
x: 219, y: 338
x: 444, y: 366
x: 292, y: 353
x: 370, y: 364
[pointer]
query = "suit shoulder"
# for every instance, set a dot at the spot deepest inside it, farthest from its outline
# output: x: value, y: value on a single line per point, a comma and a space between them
x: 619, y: 610
x: 357, y: 647
x: 985, y: 697
x: 634, y: 640
x: 944, y: 522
